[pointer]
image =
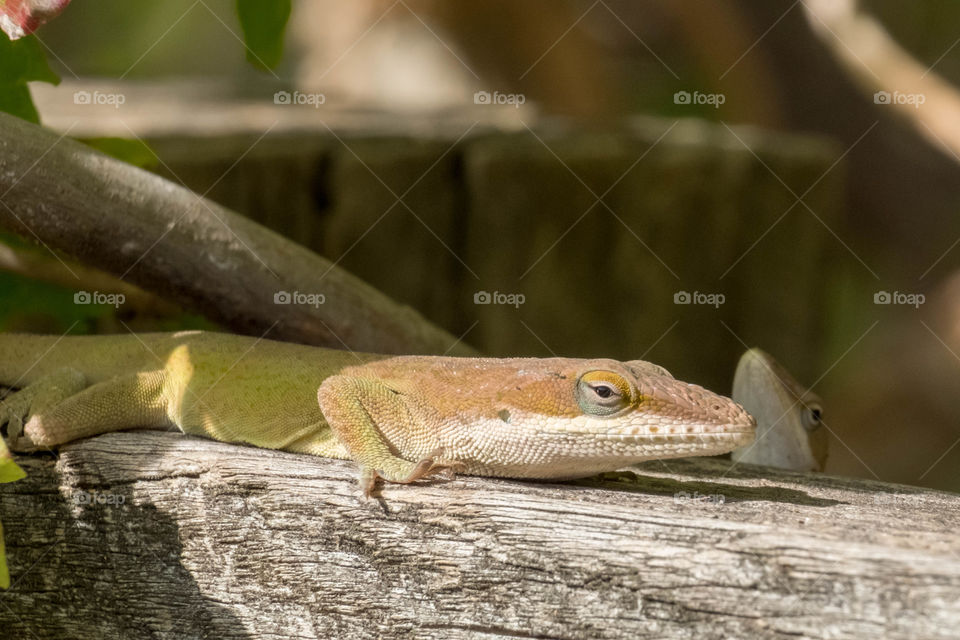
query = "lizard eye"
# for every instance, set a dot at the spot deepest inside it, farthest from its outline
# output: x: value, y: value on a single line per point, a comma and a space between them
x: 812, y: 416
x: 603, y: 393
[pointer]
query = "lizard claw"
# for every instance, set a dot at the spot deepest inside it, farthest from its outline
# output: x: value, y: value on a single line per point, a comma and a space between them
x: 448, y: 471
x: 430, y: 465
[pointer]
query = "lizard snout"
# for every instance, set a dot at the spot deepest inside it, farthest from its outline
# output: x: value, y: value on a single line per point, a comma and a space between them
x: 693, y: 404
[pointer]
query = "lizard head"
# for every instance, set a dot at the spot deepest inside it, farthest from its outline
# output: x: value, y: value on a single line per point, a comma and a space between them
x: 562, y: 417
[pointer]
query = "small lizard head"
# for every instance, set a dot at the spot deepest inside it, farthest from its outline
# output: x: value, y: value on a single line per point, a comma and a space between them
x: 791, y: 432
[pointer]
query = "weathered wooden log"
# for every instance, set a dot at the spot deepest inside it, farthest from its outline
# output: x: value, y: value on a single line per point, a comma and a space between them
x: 154, y: 535
x: 193, y: 251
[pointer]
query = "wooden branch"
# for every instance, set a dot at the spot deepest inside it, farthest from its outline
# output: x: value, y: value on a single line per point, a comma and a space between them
x: 875, y: 60
x: 158, y: 535
x: 203, y: 256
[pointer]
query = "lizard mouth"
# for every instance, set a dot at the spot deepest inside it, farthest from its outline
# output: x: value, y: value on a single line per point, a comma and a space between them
x: 705, y: 440
x: 727, y: 435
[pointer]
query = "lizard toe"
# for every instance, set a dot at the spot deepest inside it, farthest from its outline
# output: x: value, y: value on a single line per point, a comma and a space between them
x: 13, y: 414
x: 434, y: 465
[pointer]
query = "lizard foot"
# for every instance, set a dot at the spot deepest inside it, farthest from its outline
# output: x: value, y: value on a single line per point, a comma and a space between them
x: 21, y: 412
x: 431, y: 465
x: 13, y: 418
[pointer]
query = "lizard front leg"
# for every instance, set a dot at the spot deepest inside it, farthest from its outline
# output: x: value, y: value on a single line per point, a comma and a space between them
x: 356, y: 409
x: 60, y: 407
x: 38, y: 397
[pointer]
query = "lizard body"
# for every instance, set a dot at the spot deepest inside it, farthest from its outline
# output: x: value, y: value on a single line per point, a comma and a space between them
x: 398, y: 417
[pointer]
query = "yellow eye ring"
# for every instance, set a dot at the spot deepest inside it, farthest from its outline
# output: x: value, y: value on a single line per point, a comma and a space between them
x: 603, y: 393
x: 609, y: 377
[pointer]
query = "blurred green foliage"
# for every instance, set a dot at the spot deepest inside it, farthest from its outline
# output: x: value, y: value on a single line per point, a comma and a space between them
x: 22, y: 61
x: 42, y: 307
x: 51, y: 308
x: 263, y: 22
x: 161, y: 39
x: 135, y: 152
x: 35, y: 306
x: 9, y: 472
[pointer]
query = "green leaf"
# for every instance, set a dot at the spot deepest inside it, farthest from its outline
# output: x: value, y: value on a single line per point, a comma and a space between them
x: 21, y: 62
x: 9, y: 471
x: 24, y: 61
x: 4, y: 573
x: 15, y: 99
x: 135, y: 152
x: 263, y: 23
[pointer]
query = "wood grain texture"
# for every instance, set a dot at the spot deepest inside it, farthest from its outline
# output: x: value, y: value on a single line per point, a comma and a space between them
x: 217, y: 541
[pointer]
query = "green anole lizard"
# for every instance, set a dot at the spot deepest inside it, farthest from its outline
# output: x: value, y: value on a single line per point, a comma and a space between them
x: 789, y: 430
x: 399, y: 418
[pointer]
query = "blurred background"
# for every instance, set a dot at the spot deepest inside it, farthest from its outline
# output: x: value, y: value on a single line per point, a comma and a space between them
x: 647, y: 179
